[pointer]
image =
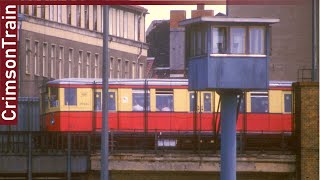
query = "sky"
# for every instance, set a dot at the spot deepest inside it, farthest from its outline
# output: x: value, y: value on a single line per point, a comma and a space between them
x: 162, y: 12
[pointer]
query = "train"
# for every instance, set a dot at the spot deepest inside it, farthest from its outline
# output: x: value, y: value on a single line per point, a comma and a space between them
x: 160, y: 105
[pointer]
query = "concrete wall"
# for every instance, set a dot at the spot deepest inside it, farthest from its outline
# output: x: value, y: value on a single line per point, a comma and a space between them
x: 306, y: 111
x: 192, y: 166
x: 142, y: 175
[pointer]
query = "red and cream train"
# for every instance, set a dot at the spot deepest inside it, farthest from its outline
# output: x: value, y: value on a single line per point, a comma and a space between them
x: 158, y: 105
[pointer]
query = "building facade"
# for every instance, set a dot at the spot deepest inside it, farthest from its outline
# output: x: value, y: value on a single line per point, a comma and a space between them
x: 167, y: 44
x: 293, y: 47
x: 65, y: 41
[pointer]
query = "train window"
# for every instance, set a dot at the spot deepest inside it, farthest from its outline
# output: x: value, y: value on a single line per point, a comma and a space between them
x: 164, y: 100
x: 259, y: 102
x: 54, y: 97
x: 287, y: 103
x: 111, y: 101
x: 192, y: 100
x: 70, y: 96
x: 206, y: 102
x: 97, y: 101
x: 138, y: 100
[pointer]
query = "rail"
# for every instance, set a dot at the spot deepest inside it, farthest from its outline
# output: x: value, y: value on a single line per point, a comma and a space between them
x: 87, y: 143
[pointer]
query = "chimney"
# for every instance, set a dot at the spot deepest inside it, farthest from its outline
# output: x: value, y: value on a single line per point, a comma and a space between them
x: 201, y: 12
x: 175, y: 17
x: 177, y: 44
x: 200, y: 7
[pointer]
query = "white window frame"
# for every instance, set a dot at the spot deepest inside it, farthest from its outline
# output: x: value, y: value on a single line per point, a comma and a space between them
x: 88, y: 64
x: 44, y: 59
x: 28, y: 55
x: 52, y: 62
x: 36, y: 58
x: 60, y: 62
x: 111, y: 67
x: 96, y: 60
x: 80, y: 59
x: 70, y: 59
x: 59, y: 13
x: 133, y: 70
x: 140, y: 70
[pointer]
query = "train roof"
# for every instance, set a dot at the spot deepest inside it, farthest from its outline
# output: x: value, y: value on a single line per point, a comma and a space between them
x: 151, y: 82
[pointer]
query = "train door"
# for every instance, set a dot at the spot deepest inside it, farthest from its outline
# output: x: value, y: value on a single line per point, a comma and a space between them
x: 205, y: 115
x: 97, y: 101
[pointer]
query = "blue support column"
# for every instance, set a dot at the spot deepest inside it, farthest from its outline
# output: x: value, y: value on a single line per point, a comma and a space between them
x: 228, y: 136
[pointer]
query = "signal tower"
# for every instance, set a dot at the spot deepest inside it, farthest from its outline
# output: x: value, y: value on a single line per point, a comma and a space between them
x: 228, y: 55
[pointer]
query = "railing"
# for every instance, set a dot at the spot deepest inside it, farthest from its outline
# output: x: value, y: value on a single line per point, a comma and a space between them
x: 153, y: 142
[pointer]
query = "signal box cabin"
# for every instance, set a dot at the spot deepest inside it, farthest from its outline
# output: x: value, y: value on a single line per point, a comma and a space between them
x: 225, y: 53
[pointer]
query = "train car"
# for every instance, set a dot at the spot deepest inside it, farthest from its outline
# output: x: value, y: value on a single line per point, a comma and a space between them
x: 160, y: 105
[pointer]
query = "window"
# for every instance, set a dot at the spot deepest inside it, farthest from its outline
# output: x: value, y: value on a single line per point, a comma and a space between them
x: 70, y: 96
x: 70, y: 63
x: 28, y: 52
x: 133, y: 70
x: 69, y: 14
x: 59, y: 13
x: 53, y: 60
x: 95, y: 25
x: 257, y: 42
x: 140, y: 71
x: 43, y: 11
x: 259, y: 102
x: 119, y: 68
x: 111, y: 101
x: 136, y: 27
x: 54, y: 97
x: 88, y: 65
x: 138, y: 100
x: 95, y: 73
x: 287, y: 103
x: 164, y: 100
x: 36, y: 58
x: 111, y: 68
x: 78, y: 15
x: 86, y: 16
x: 219, y: 40
x: 207, y: 102
x: 97, y: 101
x: 193, y: 101
x: 34, y: 10
x: 60, y: 62
x: 198, y: 41
x: 120, y: 23
x: 80, y: 64
x: 114, y: 21
x: 238, y: 40
x: 126, y: 69
x: 125, y: 25
x: 26, y: 9
x: 111, y: 23
x: 51, y: 12
x: 44, y: 60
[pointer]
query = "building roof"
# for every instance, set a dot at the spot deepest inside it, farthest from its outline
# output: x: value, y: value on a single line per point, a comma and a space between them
x: 159, y: 82
x: 154, y: 24
x: 226, y: 19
